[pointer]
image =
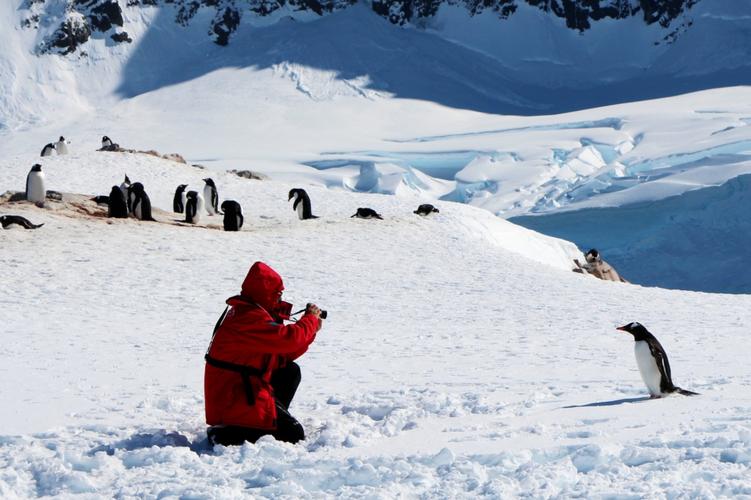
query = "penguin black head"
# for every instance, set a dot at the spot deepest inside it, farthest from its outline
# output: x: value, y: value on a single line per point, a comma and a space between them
x: 137, y: 187
x: 62, y: 139
x: 126, y: 181
x: 105, y: 138
x: 230, y: 206
x: 292, y: 193
x: 637, y: 330
x: 36, y: 168
x: 192, y: 195
x: 592, y: 255
x: 181, y: 187
x: 209, y: 182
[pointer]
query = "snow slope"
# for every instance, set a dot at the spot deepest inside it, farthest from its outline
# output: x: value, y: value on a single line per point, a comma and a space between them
x: 461, y: 359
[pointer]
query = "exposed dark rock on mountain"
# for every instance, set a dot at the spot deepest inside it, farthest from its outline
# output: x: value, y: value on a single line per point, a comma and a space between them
x: 86, y: 16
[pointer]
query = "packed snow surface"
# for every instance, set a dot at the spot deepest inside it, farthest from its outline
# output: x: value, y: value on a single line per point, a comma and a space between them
x: 461, y: 358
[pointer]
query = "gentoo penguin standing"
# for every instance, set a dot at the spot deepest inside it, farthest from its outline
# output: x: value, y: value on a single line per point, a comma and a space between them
x: 35, y: 188
x: 652, y: 361
x: 117, y: 207
x: 178, y: 202
x: 106, y: 142
x: 48, y: 149
x: 61, y: 146
x: 233, y: 215
x: 7, y: 220
x: 301, y: 203
x: 366, y: 213
x: 426, y: 209
x: 140, y: 203
x: 193, y: 207
x: 124, y: 186
x: 211, y: 196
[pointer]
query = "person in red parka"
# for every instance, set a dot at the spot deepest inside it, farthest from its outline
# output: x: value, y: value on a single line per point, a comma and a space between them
x: 250, y: 376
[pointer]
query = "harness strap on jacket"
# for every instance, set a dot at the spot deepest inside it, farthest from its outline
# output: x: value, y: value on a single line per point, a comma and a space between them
x: 245, y: 372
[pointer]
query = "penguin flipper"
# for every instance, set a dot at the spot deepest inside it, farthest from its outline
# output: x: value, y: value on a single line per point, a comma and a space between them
x: 661, y: 359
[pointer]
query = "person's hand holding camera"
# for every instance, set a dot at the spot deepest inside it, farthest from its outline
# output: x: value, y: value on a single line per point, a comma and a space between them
x: 315, y: 311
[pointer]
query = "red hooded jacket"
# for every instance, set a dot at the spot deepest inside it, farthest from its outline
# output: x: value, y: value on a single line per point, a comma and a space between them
x: 252, y: 336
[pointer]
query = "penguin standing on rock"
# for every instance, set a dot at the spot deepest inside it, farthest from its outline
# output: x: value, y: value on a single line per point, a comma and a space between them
x: 61, y: 146
x: 117, y: 207
x: 652, y: 361
x: 211, y: 196
x: 366, y: 213
x: 48, y: 150
x: 178, y: 202
x: 301, y: 203
x: 36, y: 190
x: 140, y: 203
x: 426, y: 209
x: 193, y: 207
x: 233, y: 215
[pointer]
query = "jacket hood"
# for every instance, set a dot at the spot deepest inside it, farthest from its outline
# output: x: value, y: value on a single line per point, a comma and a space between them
x: 262, y: 285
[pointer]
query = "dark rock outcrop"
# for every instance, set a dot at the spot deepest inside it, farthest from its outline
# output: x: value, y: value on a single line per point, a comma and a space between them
x: 104, y: 15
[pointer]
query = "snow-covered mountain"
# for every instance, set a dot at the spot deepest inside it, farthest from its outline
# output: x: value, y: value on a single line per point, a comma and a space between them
x: 73, y: 26
x: 349, y: 100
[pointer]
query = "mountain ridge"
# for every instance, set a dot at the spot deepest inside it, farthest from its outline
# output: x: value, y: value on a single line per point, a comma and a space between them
x: 74, y: 25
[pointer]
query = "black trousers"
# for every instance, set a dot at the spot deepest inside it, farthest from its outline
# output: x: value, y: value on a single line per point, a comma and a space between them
x: 285, y: 382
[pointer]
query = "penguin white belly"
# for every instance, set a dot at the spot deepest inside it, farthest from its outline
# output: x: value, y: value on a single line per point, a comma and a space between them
x: 36, y: 191
x: 137, y: 211
x: 650, y: 374
x: 207, y: 195
x: 61, y: 148
x: 301, y: 210
x: 199, y: 209
x: 184, y: 198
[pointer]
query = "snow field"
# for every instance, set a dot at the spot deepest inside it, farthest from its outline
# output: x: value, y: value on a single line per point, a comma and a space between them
x: 453, y: 364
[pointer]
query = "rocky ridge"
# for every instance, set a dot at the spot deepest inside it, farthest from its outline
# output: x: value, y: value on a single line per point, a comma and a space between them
x: 79, y: 20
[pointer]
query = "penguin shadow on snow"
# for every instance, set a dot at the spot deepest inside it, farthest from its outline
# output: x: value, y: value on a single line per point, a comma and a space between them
x: 160, y: 438
x: 614, y: 402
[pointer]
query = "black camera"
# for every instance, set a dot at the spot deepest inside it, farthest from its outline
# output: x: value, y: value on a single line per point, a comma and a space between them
x: 323, y: 313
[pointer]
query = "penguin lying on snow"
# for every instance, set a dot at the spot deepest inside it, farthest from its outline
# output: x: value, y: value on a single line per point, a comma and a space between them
x: 426, y: 209
x: 301, y: 203
x: 652, y: 361
x: 7, y: 220
x: 233, y: 215
x: 101, y: 199
x: 48, y: 150
x: 366, y: 213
